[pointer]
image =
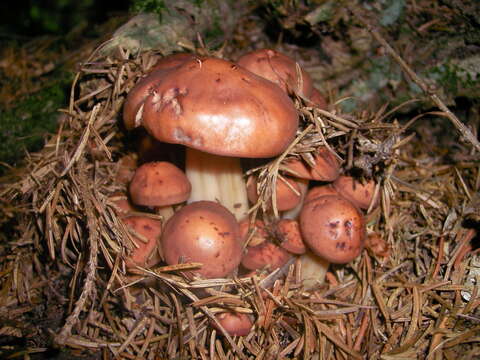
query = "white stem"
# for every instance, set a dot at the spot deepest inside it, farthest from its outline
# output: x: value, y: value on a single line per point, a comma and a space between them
x: 314, y: 269
x: 217, y: 178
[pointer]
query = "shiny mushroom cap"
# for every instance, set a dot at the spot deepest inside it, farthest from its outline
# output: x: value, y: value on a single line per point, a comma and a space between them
x: 327, y: 166
x: 278, y: 68
x: 159, y: 184
x: 204, y: 232
x: 218, y: 107
x: 333, y: 228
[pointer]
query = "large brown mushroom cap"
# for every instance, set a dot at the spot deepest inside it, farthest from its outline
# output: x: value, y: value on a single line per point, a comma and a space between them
x: 278, y: 68
x: 205, y: 232
x: 327, y: 166
x: 159, y: 184
x: 333, y: 228
x: 218, y: 107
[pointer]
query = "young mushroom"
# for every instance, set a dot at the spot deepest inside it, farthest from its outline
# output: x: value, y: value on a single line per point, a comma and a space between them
x: 159, y: 184
x: 333, y: 229
x: 145, y: 235
x: 204, y: 232
x: 260, y: 252
x: 220, y: 112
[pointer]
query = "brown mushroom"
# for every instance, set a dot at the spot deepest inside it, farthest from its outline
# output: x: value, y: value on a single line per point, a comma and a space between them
x: 234, y: 323
x: 361, y: 194
x: 204, y: 232
x: 265, y: 255
x: 288, y: 232
x: 278, y: 68
x: 159, y: 183
x: 327, y: 166
x: 287, y: 192
x: 333, y: 228
x: 217, y: 107
x: 145, y: 233
x: 254, y: 236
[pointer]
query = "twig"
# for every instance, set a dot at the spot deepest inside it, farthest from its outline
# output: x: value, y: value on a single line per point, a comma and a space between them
x: 466, y: 133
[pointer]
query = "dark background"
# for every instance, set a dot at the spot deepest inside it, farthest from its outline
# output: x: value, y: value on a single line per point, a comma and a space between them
x: 30, y: 18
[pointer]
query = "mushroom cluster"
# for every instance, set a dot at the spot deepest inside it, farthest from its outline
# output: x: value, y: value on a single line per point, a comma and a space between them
x: 221, y: 112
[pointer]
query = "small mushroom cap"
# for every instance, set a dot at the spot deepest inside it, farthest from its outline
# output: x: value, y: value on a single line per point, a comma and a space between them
x: 265, y: 255
x: 321, y: 190
x: 318, y: 99
x: 218, y: 107
x: 286, y: 198
x: 144, y: 87
x: 149, y: 230
x: 278, y: 68
x: 256, y: 235
x: 159, y: 184
x: 327, y: 166
x: 359, y: 194
x: 288, y: 231
x: 204, y: 232
x: 234, y: 323
x: 333, y: 228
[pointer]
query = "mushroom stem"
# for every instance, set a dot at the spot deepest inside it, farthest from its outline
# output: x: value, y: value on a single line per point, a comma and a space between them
x: 314, y: 269
x: 165, y: 211
x: 217, y: 178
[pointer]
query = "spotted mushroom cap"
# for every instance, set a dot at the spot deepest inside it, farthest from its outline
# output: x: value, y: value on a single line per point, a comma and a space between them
x: 159, y: 183
x: 218, y: 107
x: 333, y: 228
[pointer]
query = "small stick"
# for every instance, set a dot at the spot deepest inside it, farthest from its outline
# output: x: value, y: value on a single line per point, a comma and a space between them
x: 466, y: 133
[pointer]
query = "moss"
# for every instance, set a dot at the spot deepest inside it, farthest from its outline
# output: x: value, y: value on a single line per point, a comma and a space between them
x: 25, y: 126
x: 149, y: 6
